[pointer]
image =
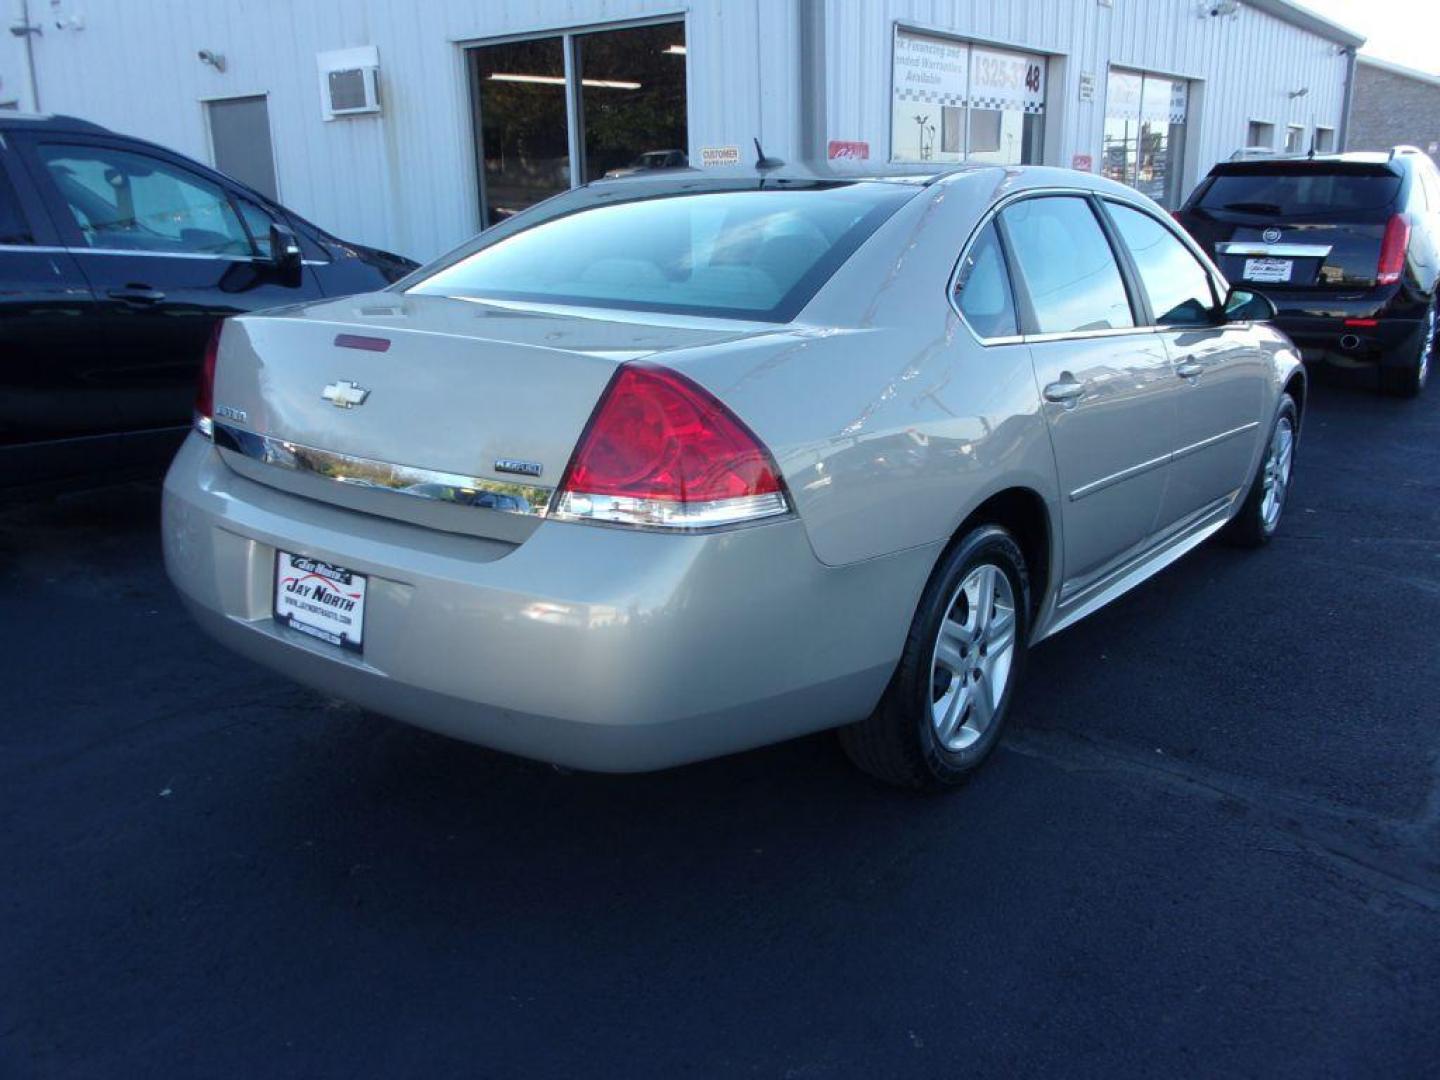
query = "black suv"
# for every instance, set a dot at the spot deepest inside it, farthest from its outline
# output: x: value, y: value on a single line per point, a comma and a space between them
x: 1346, y: 245
x: 117, y: 257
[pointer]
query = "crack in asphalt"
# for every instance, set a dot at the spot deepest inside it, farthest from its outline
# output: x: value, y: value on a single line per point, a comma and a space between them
x: 1395, y: 857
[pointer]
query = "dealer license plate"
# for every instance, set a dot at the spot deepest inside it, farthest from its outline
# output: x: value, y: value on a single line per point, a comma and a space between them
x: 1268, y: 269
x: 320, y: 599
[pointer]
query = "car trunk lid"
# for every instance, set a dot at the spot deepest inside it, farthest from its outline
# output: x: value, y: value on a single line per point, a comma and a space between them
x: 447, y: 389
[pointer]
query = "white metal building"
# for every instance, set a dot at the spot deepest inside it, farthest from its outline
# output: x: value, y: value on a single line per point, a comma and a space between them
x: 408, y: 124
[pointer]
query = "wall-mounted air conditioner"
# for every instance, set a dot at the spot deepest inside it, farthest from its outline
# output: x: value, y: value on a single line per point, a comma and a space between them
x: 349, y: 82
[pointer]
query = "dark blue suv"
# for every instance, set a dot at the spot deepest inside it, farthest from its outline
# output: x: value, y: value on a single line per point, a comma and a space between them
x: 1346, y: 245
x: 117, y: 258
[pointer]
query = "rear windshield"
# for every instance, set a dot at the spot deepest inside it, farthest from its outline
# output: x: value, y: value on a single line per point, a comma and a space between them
x: 1300, y: 191
x: 756, y: 254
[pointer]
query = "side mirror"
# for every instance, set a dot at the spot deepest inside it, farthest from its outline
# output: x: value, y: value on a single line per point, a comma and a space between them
x: 285, y: 251
x: 1241, y: 305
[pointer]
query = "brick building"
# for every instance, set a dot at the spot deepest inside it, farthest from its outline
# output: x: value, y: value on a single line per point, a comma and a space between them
x: 1394, y: 105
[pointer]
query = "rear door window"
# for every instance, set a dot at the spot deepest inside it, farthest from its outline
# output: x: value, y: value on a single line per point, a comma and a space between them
x: 982, y: 288
x: 1069, y: 270
x: 1175, y: 282
x: 1301, y: 192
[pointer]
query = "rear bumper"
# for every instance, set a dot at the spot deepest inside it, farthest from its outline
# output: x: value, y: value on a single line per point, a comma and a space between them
x: 599, y: 648
x: 1317, y: 324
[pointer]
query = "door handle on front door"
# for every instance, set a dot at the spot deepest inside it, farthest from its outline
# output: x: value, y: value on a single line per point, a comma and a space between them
x: 1189, y: 369
x: 1066, y: 391
x: 141, y: 295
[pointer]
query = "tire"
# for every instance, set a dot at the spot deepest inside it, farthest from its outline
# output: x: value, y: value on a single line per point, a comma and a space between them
x: 1257, y: 521
x: 901, y: 742
x: 1408, y: 379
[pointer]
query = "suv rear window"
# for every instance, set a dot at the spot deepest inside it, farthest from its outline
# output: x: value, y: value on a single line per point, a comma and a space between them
x: 1300, y: 191
x: 759, y: 254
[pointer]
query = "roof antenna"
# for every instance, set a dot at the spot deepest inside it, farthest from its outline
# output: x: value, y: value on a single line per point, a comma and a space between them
x: 763, y: 163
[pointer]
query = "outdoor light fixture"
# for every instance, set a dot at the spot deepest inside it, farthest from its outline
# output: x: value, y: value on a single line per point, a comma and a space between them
x: 1299, y: 93
x: 559, y: 80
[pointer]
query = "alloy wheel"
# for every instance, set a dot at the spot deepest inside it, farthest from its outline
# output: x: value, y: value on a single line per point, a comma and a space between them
x: 1427, y: 348
x: 1278, y: 461
x: 971, y: 662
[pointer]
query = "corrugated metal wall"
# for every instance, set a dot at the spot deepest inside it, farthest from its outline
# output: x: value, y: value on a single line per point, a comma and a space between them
x: 1243, y: 67
x: 406, y: 180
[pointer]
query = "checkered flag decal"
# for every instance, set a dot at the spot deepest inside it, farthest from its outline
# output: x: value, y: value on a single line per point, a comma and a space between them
x: 1035, y: 107
x: 930, y: 97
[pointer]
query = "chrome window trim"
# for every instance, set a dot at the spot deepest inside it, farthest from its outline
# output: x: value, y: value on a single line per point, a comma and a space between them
x: 1071, y: 335
x: 1295, y: 251
x: 54, y: 249
x: 1083, y: 335
x: 378, y: 475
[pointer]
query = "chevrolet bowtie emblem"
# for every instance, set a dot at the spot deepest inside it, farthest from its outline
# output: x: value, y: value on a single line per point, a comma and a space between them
x: 345, y: 395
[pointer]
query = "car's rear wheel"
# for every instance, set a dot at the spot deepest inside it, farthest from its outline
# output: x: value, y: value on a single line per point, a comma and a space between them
x: 1408, y: 379
x: 1259, y: 515
x: 946, y: 704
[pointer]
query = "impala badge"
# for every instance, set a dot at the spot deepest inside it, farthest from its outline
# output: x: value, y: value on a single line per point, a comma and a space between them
x: 345, y: 395
x: 515, y: 465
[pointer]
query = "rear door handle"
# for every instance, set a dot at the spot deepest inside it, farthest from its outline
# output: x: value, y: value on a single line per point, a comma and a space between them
x: 1064, y: 391
x: 137, y: 294
x: 1189, y: 369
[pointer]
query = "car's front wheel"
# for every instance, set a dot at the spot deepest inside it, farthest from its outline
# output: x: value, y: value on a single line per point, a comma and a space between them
x: 946, y: 703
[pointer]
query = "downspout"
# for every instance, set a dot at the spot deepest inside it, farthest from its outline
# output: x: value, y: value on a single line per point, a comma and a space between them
x: 814, y: 115
x: 1349, y: 97
x: 25, y: 30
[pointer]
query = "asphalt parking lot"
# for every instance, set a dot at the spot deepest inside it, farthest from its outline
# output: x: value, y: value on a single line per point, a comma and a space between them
x: 1209, y: 845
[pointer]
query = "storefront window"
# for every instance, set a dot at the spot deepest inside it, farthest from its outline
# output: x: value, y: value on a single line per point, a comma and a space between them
x: 632, y: 96
x: 624, y: 92
x: 520, y: 94
x: 953, y: 101
x: 1145, y: 133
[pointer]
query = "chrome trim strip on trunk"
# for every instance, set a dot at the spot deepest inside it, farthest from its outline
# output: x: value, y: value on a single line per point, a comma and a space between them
x: 1274, y: 251
x: 476, y: 491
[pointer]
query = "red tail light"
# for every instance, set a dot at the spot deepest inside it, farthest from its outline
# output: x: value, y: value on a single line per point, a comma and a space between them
x: 662, y: 451
x: 205, y: 389
x: 1392, y: 250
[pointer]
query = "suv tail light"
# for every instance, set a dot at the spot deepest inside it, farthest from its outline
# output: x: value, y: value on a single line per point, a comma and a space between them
x: 205, y: 389
x: 663, y: 452
x: 1392, y: 250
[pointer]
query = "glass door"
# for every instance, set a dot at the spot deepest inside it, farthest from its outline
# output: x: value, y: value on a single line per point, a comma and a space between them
x: 1144, y: 141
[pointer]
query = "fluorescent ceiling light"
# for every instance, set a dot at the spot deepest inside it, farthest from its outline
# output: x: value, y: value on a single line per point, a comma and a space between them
x: 674, y: 50
x: 559, y: 80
